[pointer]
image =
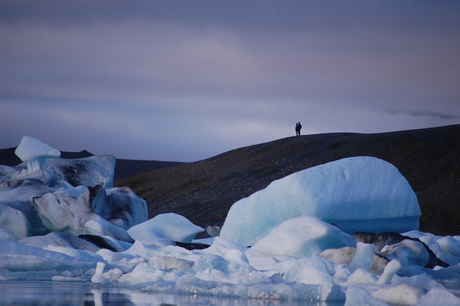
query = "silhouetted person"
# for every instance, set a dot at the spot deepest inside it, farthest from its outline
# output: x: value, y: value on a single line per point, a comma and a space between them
x: 298, y: 127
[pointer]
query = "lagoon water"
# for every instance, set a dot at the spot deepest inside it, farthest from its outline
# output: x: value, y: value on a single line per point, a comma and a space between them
x: 80, y: 293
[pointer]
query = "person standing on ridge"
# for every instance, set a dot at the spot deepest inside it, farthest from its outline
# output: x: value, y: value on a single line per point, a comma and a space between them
x: 298, y: 127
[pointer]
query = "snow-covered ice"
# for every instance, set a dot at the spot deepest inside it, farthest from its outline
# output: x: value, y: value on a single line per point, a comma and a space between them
x: 53, y: 230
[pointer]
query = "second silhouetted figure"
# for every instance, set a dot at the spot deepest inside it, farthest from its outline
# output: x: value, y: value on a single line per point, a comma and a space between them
x: 298, y: 127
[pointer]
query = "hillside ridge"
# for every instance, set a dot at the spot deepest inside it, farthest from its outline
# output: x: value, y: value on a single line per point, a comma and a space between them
x: 204, y: 191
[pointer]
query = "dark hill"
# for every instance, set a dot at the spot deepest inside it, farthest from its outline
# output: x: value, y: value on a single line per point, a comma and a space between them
x: 124, y: 168
x: 9, y: 158
x: 204, y: 191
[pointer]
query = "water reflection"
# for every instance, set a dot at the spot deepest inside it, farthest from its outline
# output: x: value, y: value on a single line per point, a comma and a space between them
x: 69, y: 293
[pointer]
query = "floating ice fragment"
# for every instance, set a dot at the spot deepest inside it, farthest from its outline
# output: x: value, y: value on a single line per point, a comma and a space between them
x: 14, y: 222
x: 98, y: 275
x: 358, y: 296
x: 364, y: 257
x: 408, y: 252
x: 5, y: 235
x: 390, y: 270
x: 170, y: 225
x: 439, y: 296
x: 401, y: 294
x: 303, y: 236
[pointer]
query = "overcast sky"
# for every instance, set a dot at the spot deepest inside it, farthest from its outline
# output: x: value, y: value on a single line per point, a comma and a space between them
x: 187, y: 80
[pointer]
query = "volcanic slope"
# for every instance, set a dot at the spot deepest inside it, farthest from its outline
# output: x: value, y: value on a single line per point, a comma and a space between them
x: 204, y: 191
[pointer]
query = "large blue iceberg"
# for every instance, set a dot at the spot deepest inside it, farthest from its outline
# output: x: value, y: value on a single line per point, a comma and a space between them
x: 357, y: 194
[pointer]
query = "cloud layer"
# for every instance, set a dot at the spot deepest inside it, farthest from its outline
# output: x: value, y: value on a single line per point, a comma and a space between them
x: 180, y: 81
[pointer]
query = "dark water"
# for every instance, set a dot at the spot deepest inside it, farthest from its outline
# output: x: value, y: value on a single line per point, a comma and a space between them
x: 70, y: 293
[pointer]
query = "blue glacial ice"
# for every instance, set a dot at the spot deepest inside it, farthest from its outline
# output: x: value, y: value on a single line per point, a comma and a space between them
x: 357, y: 194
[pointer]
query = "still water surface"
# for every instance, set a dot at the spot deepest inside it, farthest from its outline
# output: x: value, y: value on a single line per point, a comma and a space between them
x: 70, y: 293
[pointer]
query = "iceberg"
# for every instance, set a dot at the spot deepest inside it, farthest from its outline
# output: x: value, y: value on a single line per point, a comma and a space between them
x: 357, y: 194
x: 47, y: 194
x: 42, y: 162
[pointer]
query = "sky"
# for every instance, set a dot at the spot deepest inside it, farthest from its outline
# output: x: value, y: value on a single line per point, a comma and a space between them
x: 187, y: 80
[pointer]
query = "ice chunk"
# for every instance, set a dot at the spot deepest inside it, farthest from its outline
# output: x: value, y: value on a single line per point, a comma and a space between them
x: 34, y: 154
x: 445, y: 248
x: 30, y: 148
x: 364, y: 257
x: 143, y: 250
x: 390, y: 270
x: 14, y: 222
x: 213, y: 230
x: 408, y: 252
x: 7, y: 171
x: 172, y: 263
x: 120, y: 206
x: 59, y: 240
x: 102, y: 227
x: 362, y: 276
x: 312, y: 271
x: 401, y: 294
x: 420, y: 280
x: 358, y: 296
x: 123, y: 261
x: 88, y: 171
x: 220, y: 246
x: 141, y: 274
x: 345, y: 256
x: 303, y: 236
x: 357, y: 194
x: 70, y: 210
x: 342, y: 256
x: 449, y: 249
x: 189, y: 284
x: 17, y: 257
x: 439, y: 296
x: 15, y: 200
x: 43, y: 163
x: 170, y: 225
x: 98, y: 274
x: 5, y: 235
x: 64, y: 209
